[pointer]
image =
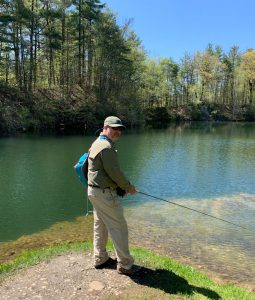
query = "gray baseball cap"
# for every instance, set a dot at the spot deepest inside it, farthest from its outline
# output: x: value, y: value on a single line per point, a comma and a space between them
x: 113, y: 122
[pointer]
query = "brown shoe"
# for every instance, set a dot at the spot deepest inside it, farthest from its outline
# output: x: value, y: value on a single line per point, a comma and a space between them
x: 107, y: 264
x: 129, y: 272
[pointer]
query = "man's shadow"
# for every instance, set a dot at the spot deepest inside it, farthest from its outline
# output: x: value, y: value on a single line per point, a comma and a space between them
x: 170, y: 283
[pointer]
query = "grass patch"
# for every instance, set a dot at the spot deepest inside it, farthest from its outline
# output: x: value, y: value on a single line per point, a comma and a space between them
x: 32, y: 257
x: 163, y: 278
x: 183, y: 282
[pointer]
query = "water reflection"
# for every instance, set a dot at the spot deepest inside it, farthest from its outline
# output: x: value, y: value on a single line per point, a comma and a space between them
x: 191, y: 162
x: 214, y: 246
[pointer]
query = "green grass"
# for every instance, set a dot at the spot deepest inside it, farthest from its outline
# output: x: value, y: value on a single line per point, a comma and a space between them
x: 178, y: 279
x: 32, y: 257
x: 164, y: 278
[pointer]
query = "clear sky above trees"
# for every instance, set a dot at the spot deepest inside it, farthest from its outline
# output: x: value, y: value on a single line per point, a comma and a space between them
x: 169, y: 28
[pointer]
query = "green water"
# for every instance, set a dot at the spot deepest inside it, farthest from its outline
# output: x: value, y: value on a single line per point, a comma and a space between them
x: 210, y: 167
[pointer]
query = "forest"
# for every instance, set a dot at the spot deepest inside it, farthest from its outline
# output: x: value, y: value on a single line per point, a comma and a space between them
x: 66, y: 64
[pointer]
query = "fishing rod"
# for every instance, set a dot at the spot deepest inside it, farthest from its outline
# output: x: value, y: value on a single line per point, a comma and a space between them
x: 200, y: 212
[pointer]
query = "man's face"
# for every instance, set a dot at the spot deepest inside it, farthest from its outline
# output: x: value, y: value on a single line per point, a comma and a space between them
x: 114, y: 133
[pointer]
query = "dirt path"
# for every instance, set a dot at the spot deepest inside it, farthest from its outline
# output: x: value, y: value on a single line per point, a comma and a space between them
x: 67, y: 276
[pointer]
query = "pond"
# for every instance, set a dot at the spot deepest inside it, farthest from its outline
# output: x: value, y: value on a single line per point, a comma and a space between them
x: 207, y: 167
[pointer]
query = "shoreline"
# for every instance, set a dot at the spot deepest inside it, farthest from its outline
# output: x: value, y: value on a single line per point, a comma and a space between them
x: 80, y: 231
x: 181, y: 279
x: 47, y: 132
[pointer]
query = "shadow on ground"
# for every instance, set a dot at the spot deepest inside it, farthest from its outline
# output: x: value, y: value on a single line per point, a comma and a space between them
x: 170, y: 283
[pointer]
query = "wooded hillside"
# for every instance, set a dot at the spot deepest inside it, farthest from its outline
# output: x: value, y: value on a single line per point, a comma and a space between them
x: 68, y: 64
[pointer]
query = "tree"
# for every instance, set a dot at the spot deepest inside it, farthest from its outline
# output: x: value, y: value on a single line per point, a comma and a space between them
x: 206, y: 68
x: 51, y: 19
x: 5, y: 42
x: 231, y: 60
x: 187, y: 75
x: 248, y: 68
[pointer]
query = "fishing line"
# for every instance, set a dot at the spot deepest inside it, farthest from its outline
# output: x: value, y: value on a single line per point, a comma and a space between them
x: 200, y: 212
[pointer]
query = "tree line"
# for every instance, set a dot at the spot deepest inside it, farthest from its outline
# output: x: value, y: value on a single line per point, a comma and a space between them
x: 209, y: 84
x: 68, y: 63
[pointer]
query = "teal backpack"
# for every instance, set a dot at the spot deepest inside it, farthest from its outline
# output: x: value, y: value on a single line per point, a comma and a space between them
x: 81, y: 168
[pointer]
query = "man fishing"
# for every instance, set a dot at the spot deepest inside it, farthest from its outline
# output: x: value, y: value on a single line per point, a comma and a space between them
x: 106, y: 182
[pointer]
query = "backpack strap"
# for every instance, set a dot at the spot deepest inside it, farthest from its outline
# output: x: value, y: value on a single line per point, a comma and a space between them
x: 100, y: 144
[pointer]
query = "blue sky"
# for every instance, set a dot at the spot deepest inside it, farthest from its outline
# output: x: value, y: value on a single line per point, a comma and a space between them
x: 170, y: 28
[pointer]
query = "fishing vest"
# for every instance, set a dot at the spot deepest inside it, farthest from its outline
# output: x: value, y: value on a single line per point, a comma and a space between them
x: 101, y: 143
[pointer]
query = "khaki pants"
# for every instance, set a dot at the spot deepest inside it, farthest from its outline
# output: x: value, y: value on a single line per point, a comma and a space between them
x: 108, y: 217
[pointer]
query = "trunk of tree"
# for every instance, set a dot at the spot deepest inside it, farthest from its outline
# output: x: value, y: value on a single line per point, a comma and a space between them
x: 22, y: 63
x: 31, y: 65
x: 83, y: 70
x: 202, y: 91
x: 80, y: 44
x: 16, y: 54
x: 36, y: 43
x: 67, y: 62
x: 7, y: 59
x: 63, y: 42
x: 90, y: 55
x: 250, y: 91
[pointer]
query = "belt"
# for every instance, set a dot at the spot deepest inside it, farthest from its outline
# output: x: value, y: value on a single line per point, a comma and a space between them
x: 98, y: 187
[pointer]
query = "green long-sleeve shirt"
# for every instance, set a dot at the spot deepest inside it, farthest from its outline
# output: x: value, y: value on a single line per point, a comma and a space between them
x: 103, y: 166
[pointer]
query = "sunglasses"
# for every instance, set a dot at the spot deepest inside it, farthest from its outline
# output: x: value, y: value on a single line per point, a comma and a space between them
x: 117, y: 128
